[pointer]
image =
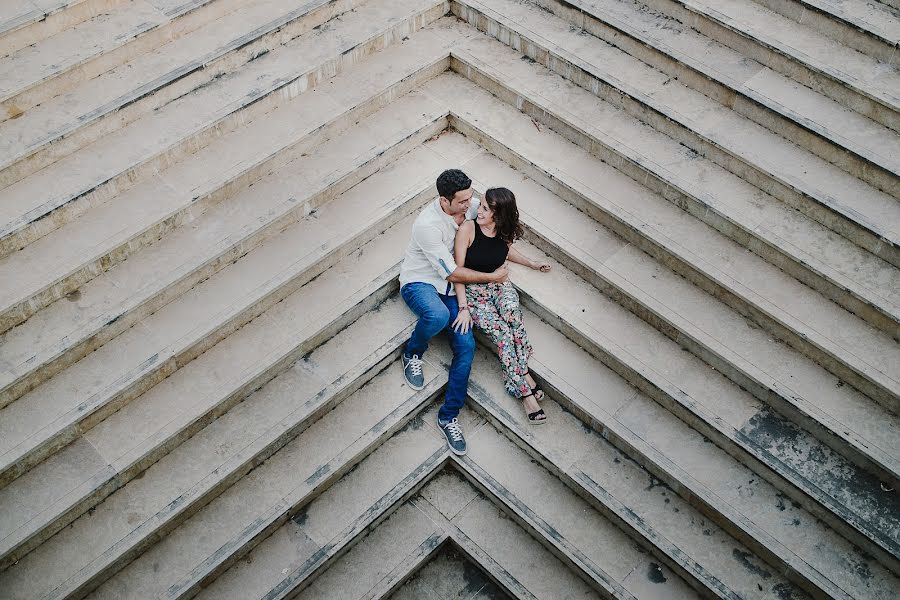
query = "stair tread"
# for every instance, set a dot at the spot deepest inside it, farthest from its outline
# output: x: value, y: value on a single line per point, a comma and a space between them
x: 869, y: 76
x: 120, y: 440
x: 571, y: 448
x: 143, y: 75
x: 842, y: 125
x: 322, y: 524
x: 148, y: 273
x: 51, y: 408
x: 106, y: 227
x: 72, y: 177
x: 874, y: 18
x: 286, y: 478
x: 691, y: 459
x: 34, y: 64
x: 844, y: 411
x: 757, y: 145
x: 855, y: 341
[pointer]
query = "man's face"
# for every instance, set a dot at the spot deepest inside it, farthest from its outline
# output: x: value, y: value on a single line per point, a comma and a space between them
x: 459, y: 203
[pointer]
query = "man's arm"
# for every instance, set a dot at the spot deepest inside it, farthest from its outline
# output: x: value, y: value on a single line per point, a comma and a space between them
x: 464, y: 275
x: 431, y: 243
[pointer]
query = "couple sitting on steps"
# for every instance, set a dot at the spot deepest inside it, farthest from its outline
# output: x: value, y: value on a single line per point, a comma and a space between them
x: 454, y: 277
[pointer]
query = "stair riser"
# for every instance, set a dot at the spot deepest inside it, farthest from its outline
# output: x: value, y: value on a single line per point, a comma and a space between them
x: 146, y: 41
x: 710, y: 355
x: 263, y: 165
x: 828, y: 215
x: 668, y: 399
x: 72, y: 350
x: 349, y: 312
x: 39, y: 25
x: 342, y: 464
x: 742, y: 103
x: 627, y: 523
x: 156, y: 94
x: 48, y: 218
x: 152, y: 372
x: 744, y: 307
x: 821, y: 82
x: 830, y: 25
x: 659, y: 467
x: 354, y: 533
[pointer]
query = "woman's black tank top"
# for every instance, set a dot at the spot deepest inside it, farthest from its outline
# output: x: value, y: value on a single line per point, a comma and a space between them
x: 486, y: 254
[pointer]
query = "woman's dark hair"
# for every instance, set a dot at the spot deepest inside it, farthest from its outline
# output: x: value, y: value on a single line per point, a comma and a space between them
x: 506, y: 215
x: 451, y: 181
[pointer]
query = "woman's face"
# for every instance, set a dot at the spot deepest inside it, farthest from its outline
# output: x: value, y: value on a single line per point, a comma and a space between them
x: 485, y: 214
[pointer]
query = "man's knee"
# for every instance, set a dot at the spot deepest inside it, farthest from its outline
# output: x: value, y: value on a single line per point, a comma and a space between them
x: 436, y: 318
x: 465, y: 344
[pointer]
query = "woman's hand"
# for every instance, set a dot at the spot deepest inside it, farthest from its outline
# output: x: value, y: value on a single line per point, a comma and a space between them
x: 543, y: 267
x: 463, y: 322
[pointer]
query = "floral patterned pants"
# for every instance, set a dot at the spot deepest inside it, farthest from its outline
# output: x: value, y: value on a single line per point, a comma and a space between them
x: 496, y: 311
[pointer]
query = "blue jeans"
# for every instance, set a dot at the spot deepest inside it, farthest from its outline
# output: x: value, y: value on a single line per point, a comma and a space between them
x: 436, y: 312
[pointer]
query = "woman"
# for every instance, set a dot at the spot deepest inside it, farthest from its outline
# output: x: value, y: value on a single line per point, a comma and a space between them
x: 484, y: 245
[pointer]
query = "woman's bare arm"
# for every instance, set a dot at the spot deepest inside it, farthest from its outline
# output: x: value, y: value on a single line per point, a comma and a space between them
x: 517, y: 257
x: 464, y: 237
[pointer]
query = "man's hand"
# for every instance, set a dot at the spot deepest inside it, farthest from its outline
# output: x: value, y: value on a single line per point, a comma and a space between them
x: 463, y: 322
x: 501, y: 275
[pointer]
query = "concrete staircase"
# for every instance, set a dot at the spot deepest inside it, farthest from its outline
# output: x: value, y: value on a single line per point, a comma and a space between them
x: 202, y: 212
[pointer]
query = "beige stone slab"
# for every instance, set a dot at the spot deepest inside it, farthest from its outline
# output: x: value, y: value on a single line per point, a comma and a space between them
x: 171, y: 128
x: 737, y: 134
x: 614, y: 480
x: 759, y: 502
x: 296, y: 471
x: 514, y: 550
x: 374, y: 557
x: 808, y: 46
x: 874, y: 18
x: 513, y: 130
x: 449, y: 575
x: 598, y: 539
x: 34, y: 64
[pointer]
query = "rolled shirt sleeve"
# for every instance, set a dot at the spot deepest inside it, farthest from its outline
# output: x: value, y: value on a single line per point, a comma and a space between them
x: 435, y: 250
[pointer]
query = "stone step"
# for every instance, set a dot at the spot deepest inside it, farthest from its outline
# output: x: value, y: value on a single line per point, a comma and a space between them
x: 83, y: 248
x: 279, y: 567
x: 740, y: 92
x: 856, y: 80
x: 838, y: 416
x: 97, y: 462
x: 96, y: 107
x: 382, y: 561
x: 57, y: 194
x: 49, y: 67
x: 543, y: 469
x: 867, y: 26
x: 163, y: 502
x: 789, y: 460
x: 328, y: 524
x: 24, y: 22
x: 68, y: 329
x: 649, y: 99
x: 449, y: 575
x: 767, y: 296
x: 52, y: 414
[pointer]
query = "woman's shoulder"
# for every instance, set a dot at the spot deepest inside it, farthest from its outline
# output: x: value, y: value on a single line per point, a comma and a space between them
x: 467, y: 227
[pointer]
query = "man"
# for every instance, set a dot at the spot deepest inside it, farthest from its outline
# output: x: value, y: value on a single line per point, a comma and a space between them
x: 427, y: 276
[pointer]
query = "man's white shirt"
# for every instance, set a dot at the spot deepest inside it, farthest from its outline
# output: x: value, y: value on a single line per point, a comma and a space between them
x: 429, y: 255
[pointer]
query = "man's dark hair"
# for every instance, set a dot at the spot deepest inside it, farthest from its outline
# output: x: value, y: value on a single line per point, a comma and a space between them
x: 451, y: 181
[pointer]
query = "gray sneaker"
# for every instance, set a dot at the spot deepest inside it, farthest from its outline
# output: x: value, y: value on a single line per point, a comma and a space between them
x: 453, y: 432
x: 412, y: 372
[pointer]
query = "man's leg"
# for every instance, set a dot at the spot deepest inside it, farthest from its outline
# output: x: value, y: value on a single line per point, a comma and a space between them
x: 463, y: 346
x: 433, y: 315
